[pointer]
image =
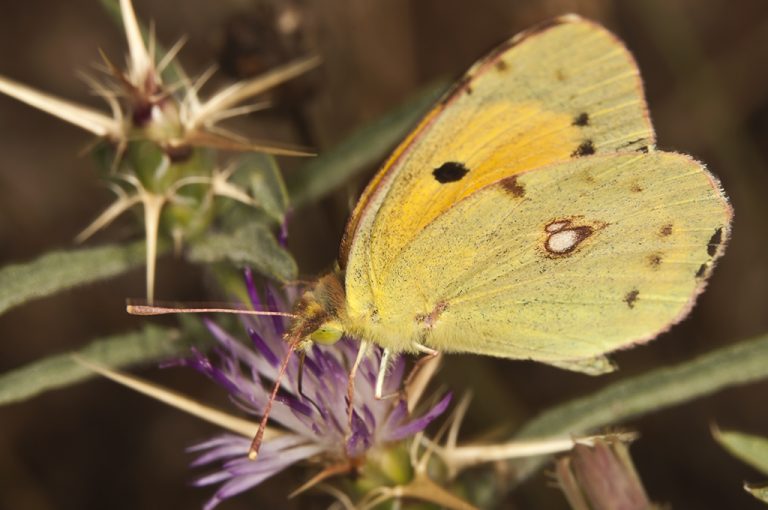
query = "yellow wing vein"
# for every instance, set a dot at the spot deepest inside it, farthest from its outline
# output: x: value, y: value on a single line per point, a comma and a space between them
x: 605, y: 111
x: 607, y: 81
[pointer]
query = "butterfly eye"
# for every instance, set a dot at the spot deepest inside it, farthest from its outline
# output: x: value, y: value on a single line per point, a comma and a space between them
x: 328, y: 333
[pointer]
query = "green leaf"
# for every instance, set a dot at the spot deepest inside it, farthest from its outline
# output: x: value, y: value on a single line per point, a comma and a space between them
x: 60, y: 270
x: 751, y: 449
x: 365, y: 147
x: 743, y: 363
x: 266, y: 183
x: 760, y: 491
x: 252, y: 245
x: 141, y: 347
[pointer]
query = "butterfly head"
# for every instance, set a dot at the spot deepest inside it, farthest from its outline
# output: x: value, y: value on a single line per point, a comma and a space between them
x: 320, y: 312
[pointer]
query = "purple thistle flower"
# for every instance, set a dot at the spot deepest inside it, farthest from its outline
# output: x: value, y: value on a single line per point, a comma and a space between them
x: 316, y: 426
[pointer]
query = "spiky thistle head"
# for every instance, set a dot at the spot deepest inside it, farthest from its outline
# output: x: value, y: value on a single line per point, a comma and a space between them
x: 161, y: 136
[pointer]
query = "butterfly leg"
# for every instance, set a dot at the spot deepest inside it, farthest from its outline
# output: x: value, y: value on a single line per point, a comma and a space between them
x: 386, y: 359
x: 429, y: 355
x: 361, y: 352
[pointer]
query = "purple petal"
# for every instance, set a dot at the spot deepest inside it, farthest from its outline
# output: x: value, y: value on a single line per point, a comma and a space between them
x: 212, y: 503
x: 310, y: 363
x: 250, y: 403
x: 250, y: 285
x: 248, y: 474
x: 295, y: 404
x: 263, y: 348
x: 395, y: 375
x: 216, y: 330
x: 398, y: 414
x: 370, y: 420
x: 221, y: 440
x: 203, y: 365
x: 283, y: 236
x: 332, y: 367
x: 220, y: 453
x: 277, y: 322
x: 369, y: 369
x: 216, y: 477
x: 331, y: 418
x: 360, y: 439
x: 222, y: 380
x: 421, y: 423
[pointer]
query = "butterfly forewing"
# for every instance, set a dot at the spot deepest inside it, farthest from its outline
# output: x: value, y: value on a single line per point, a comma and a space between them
x: 547, y: 95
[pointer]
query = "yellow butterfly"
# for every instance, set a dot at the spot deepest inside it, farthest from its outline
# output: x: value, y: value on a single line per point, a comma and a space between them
x: 528, y: 216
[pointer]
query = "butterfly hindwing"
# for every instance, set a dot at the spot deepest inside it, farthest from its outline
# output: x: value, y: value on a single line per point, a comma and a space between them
x: 562, y: 263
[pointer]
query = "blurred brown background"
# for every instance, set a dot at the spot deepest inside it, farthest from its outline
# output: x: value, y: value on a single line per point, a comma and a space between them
x: 96, y: 445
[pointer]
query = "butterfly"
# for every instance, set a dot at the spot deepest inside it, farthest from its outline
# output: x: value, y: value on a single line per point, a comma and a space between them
x: 529, y: 215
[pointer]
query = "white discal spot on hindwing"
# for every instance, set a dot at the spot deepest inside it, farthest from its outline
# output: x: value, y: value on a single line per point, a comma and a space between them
x: 565, y: 235
x: 564, y: 241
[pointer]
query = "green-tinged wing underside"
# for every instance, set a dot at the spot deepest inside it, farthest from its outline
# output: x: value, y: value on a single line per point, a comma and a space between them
x: 560, y: 264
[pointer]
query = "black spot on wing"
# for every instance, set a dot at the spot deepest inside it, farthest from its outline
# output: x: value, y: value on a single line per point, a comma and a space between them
x: 714, y: 242
x: 581, y: 119
x: 644, y: 149
x: 450, y: 172
x: 585, y: 149
x: 655, y: 260
x: 702, y: 271
x: 501, y: 66
x: 631, y: 297
x: 666, y: 230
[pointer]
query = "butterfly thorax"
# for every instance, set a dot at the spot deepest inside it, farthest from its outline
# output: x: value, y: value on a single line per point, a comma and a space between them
x: 324, y: 317
x: 321, y: 311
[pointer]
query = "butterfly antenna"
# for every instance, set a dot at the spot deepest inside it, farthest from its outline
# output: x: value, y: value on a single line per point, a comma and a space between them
x: 253, y: 451
x: 157, y: 309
